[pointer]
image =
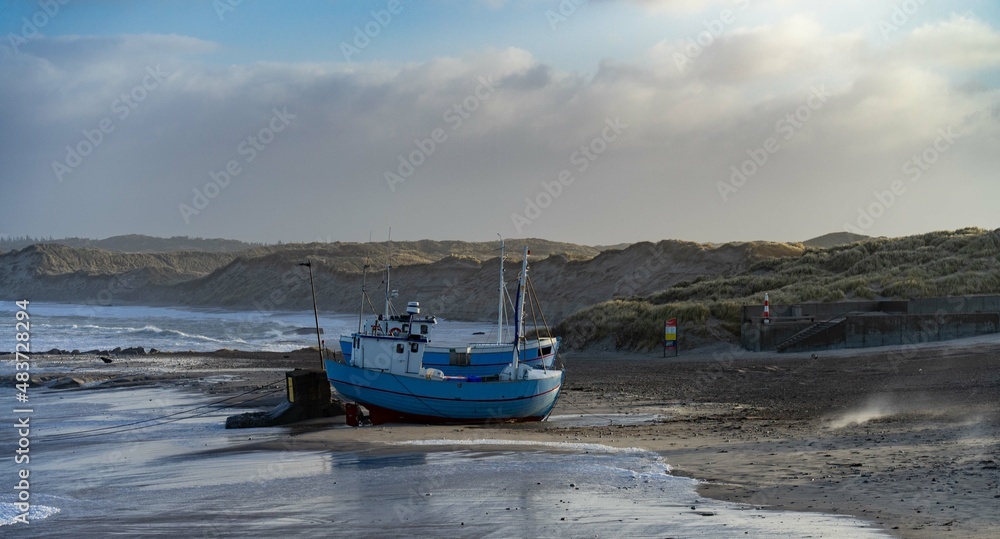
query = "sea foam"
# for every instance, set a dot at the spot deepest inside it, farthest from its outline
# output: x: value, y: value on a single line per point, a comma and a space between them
x: 9, y: 513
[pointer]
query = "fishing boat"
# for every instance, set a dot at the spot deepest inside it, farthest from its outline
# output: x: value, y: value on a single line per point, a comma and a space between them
x: 457, y: 358
x: 386, y: 373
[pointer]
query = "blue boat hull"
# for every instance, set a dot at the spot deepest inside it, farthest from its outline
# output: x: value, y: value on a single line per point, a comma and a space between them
x: 483, y: 360
x: 391, y: 397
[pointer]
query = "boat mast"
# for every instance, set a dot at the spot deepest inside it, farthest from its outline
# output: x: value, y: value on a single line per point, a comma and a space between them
x: 361, y: 311
x: 519, y: 307
x: 500, y: 300
x: 388, y: 266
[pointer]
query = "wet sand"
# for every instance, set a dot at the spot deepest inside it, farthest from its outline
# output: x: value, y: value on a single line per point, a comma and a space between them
x: 908, y: 441
x: 905, y: 438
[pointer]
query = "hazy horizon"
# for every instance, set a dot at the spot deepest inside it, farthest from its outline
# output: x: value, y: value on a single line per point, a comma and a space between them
x: 595, y: 123
x: 375, y: 240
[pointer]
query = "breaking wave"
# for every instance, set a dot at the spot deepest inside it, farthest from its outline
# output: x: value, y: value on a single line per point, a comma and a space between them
x: 9, y: 513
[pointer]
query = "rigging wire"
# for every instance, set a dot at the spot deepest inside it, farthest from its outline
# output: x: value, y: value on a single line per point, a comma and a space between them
x: 533, y: 304
x: 541, y: 313
x: 364, y: 288
x: 370, y: 304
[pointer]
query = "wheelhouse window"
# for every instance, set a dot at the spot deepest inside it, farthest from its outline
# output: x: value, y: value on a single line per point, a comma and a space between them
x: 459, y: 358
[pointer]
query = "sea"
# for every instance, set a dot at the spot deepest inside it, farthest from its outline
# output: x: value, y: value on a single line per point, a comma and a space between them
x: 157, y: 461
x: 172, y: 329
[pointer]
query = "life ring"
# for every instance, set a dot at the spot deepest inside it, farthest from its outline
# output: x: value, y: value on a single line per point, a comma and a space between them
x: 394, y: 332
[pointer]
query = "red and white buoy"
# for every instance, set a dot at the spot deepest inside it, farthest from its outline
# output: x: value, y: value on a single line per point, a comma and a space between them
x: 767, y: 309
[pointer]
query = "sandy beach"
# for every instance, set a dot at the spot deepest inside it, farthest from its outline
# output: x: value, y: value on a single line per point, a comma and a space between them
x: 904, y: 438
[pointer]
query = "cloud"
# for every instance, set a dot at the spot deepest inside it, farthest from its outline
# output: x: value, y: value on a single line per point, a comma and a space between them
x: 510, y: 122
x: 68, y: 77
x: 960, y: 42
x: 796, y: 47
x: 685, y: 6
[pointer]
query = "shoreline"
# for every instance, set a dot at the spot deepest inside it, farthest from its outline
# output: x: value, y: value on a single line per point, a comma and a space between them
x: 909, y: 441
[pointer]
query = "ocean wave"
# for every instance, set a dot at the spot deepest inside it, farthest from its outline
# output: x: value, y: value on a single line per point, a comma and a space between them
x: 151, y: 330
x: 8, y: 513
x: 72, y: 327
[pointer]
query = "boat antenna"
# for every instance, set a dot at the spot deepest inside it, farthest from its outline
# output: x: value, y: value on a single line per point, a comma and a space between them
x: 388, y: 267
x: 501, y: 294
x: 312, y: 286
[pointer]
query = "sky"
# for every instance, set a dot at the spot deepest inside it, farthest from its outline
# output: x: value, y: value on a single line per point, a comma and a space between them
x: 593, y: 122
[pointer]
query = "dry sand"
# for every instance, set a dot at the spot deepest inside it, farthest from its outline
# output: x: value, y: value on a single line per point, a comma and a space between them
x: 906, y: 438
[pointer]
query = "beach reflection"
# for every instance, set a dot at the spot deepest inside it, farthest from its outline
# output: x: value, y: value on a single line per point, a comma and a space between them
x: 194, y: 477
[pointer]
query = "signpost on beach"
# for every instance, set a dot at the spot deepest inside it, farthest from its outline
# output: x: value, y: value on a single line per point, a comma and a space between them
x: 312, y: 286
x: 670, y: 336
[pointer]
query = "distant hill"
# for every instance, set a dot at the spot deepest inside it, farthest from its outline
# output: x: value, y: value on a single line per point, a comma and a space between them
x: 452, y: 279
x: 55, y: 272
x: 431, y: 250
x: 137, y: 243
x: 615, y: 247
x: 834, y: 239
x: 465, y: 287
x: 403, y: 252
x: 621, y: 294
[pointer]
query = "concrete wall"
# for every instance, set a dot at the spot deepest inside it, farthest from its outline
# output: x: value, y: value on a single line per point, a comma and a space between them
x: 874, y: 330
x: 884, y: 322
x: 955, y: 304
x: 820, y: 312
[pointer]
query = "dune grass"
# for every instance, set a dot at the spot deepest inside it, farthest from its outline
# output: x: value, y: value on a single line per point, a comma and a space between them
x: 960, y: 262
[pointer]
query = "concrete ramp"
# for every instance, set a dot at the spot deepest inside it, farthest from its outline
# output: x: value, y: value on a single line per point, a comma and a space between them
x: 819, y: 336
